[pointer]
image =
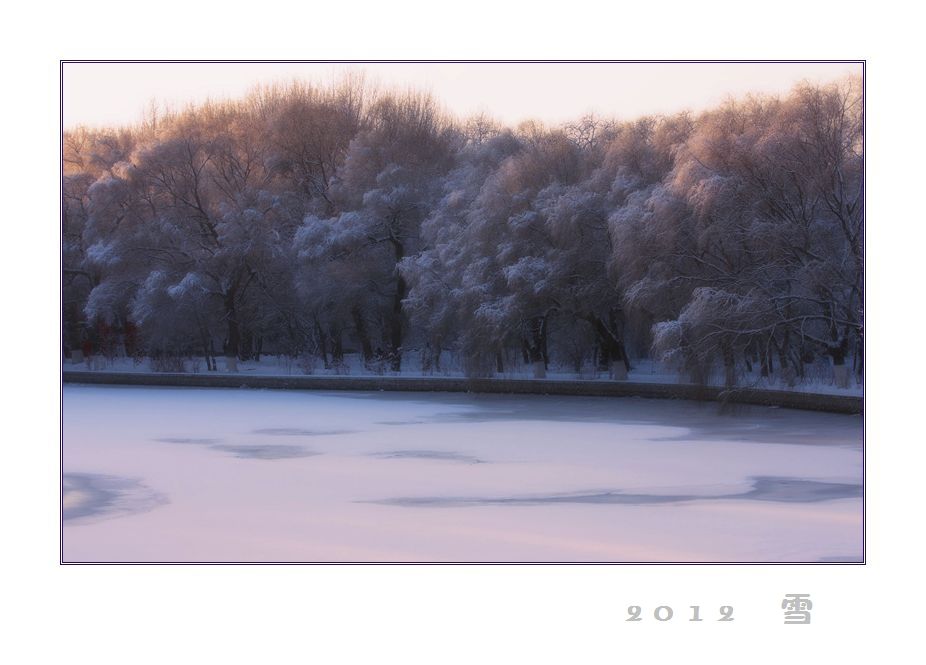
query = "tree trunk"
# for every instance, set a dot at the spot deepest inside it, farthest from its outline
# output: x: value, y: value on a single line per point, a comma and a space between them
x: 611, y: 350
x: 233, y: 342
x: 337, y: 346
x: 362, y: 335
x: 784, y: 353
x: 396, y: 324
x: 535, y: 344
x: 766, y: 360
x: 729, y: 366
x: 619, y: 370
x: 841, y: 376
x: 540, y: 370
x: 838, y: 350
x: 604, y: 351
x: 322, y: 343
x: 204, y: 340
x: 860, y: 357
x: 617, y: 325
x: 246, y: 344
x: 534, y: 354
x: 543, y: 343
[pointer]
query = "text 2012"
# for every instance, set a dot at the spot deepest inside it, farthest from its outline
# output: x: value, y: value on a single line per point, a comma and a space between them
x: 666, y: 613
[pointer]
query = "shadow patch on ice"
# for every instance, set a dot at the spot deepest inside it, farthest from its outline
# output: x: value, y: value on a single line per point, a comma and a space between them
x: 765, y: 488
x: 701, y: 420
x: 768, y: 488
x: 246, y: 451
x: 401, y: 422
x: 186, y: 439
x: 536, y: 500
x: 846, y: 558
x: 296, y: 431
x: 90, y: 497
x: 266, y: 452
x: 429, y: 455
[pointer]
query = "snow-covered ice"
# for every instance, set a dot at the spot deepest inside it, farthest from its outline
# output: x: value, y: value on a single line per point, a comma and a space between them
x: 183, y: 474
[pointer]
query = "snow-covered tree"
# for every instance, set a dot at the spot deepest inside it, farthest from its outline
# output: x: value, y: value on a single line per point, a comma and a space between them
x: 388, y: 183
x: 314, y: 218
x: 753, y: 241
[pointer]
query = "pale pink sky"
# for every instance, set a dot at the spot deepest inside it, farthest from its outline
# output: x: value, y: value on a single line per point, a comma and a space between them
x: 117, y: 93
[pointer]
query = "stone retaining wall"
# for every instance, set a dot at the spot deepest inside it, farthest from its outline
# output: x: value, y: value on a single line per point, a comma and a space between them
x: 791, y: 400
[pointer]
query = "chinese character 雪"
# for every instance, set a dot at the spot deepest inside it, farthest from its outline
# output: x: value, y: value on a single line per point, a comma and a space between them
x: 797, y: 607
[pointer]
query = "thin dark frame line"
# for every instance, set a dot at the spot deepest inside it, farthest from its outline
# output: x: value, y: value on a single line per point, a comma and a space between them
x: 400, y: 61
x: 863, y: 562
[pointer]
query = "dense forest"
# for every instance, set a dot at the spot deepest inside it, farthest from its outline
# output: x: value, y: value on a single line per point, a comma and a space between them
x: 318, y: 221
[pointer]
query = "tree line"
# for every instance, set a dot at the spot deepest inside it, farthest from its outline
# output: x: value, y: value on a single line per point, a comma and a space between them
x: 319, y: 220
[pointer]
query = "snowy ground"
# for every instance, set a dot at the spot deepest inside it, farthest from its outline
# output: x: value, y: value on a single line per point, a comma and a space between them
x: 183, y: 474
x: 819, y: 379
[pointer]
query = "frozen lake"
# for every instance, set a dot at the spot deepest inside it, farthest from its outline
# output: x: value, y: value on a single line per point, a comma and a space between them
x: 185, y: 474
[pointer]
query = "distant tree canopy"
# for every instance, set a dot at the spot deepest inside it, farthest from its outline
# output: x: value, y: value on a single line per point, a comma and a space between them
x: 321, y: 220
